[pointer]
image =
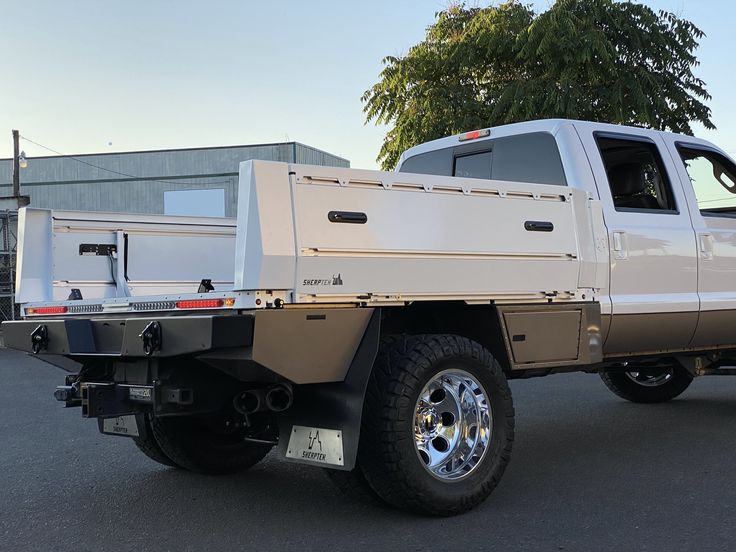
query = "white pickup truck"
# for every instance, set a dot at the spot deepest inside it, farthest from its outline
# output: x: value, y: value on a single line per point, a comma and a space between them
x: 368, y: 321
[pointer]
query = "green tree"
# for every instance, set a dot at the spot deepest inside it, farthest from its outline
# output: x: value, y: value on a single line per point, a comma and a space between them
x: 598, y: 60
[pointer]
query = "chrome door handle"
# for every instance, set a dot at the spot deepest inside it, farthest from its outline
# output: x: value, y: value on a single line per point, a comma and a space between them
x: 705, y: 246
x: 619, y: 245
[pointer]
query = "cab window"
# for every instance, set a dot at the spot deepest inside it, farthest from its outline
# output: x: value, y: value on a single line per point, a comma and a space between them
x: 473, y: 165
x: 713, y: 177
x: 532, y: 157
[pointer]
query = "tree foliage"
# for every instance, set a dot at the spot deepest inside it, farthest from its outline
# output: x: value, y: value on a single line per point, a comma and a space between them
x: 598, y: 60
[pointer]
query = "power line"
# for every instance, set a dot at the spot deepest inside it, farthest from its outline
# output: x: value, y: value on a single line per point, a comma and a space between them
x: 719, y: 199
x: 118, y: 172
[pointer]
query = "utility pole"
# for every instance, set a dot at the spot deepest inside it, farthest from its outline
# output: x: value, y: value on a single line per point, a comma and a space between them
x: 16, y: 163
x: 16, y: 201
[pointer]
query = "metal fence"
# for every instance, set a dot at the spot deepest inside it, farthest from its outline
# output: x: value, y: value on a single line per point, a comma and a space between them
x: 8, y: 245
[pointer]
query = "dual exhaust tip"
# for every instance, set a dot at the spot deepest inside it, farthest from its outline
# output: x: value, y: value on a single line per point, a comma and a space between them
x: 276, y: 398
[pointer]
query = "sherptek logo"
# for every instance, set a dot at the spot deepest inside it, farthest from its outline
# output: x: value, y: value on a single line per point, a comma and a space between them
x: 336, y: 280
x: 314, y: 438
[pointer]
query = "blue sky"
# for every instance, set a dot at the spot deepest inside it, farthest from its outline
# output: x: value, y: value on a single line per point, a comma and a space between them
x: 78, y: 75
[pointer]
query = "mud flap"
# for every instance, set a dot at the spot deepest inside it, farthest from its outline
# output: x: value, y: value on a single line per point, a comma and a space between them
x: 322, y: 427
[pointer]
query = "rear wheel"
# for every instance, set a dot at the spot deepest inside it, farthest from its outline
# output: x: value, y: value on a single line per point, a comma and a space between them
x: 211, y: 444
x: 438, y: 425
x: 148, y: 445
x: 648, y: 384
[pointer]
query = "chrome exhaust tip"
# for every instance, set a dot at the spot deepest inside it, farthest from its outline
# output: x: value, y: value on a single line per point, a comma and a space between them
x: 279, y: 398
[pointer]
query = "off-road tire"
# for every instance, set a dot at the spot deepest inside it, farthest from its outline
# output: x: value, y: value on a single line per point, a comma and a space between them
x: 626, y: 388
x: 387, y: 453
x: 191, y: 443
x: 353, y: 483
x: 148, y: 445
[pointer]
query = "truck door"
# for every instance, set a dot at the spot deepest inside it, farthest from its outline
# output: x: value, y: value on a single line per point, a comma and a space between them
x: 653, y: 280
x: 709, y: 180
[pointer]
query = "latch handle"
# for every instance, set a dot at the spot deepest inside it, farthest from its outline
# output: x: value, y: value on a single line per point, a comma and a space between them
x: 151, y: 336
x: 39, y: 339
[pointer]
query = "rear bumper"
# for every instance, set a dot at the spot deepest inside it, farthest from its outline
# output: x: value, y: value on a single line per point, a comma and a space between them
x: 327, y: 353
x: 122, y: 337
x: 301, y: 345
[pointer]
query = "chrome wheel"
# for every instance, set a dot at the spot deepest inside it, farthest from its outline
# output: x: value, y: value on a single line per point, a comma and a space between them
x: 649, y: 379
x: 452, y: 424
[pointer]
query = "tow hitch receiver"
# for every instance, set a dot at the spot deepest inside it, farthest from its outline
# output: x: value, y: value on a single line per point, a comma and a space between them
x: 107, y: 399
x: 100, y: 400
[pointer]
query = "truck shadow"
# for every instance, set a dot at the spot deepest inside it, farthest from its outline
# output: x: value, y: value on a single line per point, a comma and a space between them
x: 556, y: 458
x: 583, y: 462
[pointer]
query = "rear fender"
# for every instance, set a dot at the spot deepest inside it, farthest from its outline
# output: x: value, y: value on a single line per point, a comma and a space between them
x: 335, y: 407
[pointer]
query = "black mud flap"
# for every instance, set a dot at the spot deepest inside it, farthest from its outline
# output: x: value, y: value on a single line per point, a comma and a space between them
x: 322, y: 427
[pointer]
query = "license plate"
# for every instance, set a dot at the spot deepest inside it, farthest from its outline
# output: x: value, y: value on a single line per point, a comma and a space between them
x: 121, y: 425
x: 315, y: 445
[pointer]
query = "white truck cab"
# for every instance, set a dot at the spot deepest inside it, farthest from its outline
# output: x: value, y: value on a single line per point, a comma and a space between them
x: 368, y: 321
x: 669, y: 207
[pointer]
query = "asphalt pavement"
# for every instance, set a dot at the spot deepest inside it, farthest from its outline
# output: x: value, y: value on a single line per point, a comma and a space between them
x: 589, y: 471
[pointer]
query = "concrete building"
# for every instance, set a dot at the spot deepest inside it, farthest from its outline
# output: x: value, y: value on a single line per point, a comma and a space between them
x: 196, y: 181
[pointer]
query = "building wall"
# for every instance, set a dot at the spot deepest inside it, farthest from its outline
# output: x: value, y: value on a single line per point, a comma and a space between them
x: 135, y: 182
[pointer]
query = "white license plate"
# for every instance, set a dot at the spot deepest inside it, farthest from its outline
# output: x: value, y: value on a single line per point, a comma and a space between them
x: 316, y: 445
x: 122, y: 425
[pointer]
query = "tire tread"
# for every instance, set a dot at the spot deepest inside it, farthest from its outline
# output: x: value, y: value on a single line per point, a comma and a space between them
x: 620, y: 384
x: 397, y: 370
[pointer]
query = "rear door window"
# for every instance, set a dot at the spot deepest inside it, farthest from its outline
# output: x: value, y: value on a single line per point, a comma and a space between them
x: 636, y: 175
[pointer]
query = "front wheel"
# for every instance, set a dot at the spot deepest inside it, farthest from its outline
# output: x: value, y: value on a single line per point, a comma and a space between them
x: 438, y: 424
x: 648, y: 384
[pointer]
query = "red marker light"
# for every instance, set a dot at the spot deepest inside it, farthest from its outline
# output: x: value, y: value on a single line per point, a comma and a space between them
x: 475, y: 134
x: 45, y: 310
x: 200, y: 304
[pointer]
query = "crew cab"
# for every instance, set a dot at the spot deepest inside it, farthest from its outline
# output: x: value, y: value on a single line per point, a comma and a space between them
x: 367, y: 322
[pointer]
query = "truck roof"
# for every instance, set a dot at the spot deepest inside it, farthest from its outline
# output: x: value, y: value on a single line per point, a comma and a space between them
x: 540, y: 125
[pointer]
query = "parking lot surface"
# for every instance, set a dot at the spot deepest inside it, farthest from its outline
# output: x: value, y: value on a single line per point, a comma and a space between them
x: 589, y: 471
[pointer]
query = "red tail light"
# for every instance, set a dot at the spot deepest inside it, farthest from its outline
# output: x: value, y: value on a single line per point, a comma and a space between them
x: 200, y: 304
x: 45, y: 310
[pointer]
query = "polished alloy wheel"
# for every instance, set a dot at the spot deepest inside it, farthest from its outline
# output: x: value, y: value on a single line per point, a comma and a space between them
x: 452, y: 424
x: 649, y: 379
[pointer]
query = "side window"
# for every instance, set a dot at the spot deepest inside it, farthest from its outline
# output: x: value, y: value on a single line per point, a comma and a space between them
x: 636, y: 175
x: 713, y: 178
x: 473, y: 165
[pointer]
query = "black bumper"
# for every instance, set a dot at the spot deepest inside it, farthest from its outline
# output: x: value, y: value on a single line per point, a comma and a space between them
x: 125, y: 337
